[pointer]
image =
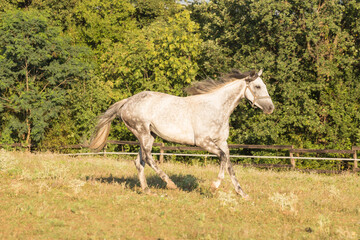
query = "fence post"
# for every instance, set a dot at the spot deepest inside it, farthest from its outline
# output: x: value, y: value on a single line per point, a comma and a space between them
x: 161, y: 158
x: 292, y: 160
x: 355, y: 159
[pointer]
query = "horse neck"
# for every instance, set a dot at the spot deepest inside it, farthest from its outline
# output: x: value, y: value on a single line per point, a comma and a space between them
x: 230, y: 95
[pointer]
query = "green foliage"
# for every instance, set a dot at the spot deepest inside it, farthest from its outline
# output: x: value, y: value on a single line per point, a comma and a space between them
x: 98, y: 22
x: 59, y: 12
x: 75, y: 123
x: 158, y: 57
x: 309, y: 57
x: 148, y: 11
x: 37, y: 66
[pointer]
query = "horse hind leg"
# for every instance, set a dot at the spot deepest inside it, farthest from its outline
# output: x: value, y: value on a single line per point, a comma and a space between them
x: 140, y: 165
x: 146, y: 142
x: 169, y: 183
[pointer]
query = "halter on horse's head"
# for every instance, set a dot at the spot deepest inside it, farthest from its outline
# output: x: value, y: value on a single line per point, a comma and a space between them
x: 257, y: 93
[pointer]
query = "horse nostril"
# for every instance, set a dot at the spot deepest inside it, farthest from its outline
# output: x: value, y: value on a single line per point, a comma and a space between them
x: 271, y: 108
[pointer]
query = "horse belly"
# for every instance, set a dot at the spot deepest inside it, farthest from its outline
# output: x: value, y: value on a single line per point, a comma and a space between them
x: 174, y: 129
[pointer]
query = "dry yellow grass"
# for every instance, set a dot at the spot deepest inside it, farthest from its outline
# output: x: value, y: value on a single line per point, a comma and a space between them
x: 47, y: 196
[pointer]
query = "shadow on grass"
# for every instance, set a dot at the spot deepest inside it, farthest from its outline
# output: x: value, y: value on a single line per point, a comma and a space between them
x: 187, y: 182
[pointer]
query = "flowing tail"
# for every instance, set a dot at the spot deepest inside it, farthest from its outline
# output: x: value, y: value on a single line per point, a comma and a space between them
x: 102, y: 129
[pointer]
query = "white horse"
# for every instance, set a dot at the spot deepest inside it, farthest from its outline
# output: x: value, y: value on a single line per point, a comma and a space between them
x: 201, y: 119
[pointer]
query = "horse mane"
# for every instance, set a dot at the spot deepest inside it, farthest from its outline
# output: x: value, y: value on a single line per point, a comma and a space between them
x: 210, y: 85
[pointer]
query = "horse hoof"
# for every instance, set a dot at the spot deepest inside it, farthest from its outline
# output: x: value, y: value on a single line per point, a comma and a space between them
x: 171, y: 185
x: 213, y: 187
x: 246, y: 197
x: 149, y: 193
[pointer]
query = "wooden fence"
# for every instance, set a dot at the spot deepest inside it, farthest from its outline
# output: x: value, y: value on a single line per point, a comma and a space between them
x: 289, y: 148
x: 16, y: 145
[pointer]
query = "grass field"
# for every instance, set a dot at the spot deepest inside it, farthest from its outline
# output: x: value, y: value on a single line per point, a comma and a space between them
x: 48, y: 196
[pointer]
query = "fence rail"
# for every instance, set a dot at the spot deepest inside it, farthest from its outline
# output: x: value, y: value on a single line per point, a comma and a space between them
x: 20, y: 145
x: 289, y: 148
x: 163, y: 149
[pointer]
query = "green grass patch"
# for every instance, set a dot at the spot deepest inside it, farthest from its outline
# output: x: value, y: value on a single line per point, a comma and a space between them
x: 48, y: 196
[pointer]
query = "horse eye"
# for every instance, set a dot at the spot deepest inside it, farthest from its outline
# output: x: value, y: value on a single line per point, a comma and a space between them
x: 257, y: 87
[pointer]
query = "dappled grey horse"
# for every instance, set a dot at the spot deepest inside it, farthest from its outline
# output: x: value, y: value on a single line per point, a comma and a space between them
x: 200, y: 119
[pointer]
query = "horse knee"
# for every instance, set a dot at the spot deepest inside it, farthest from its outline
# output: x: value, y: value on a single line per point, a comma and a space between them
x: 139, y: 164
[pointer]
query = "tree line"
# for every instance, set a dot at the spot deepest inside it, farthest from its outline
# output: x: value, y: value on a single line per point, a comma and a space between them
x: 64, y: 62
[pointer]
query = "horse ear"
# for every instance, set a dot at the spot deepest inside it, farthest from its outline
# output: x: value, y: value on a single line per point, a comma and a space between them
x: 260, y: 72
x: 249, y: 79
x: 252, y: 76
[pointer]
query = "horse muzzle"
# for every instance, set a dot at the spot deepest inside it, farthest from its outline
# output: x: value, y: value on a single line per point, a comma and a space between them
x: 265, y: 104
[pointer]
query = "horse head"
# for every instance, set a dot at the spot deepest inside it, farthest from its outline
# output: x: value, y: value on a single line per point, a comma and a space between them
x: 257, y: 93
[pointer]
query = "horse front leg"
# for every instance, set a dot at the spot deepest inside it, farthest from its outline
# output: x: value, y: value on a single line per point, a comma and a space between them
x: 235, y: 182
x: 219, y: 150
x: 225, y: 163
x: 222, y: 150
